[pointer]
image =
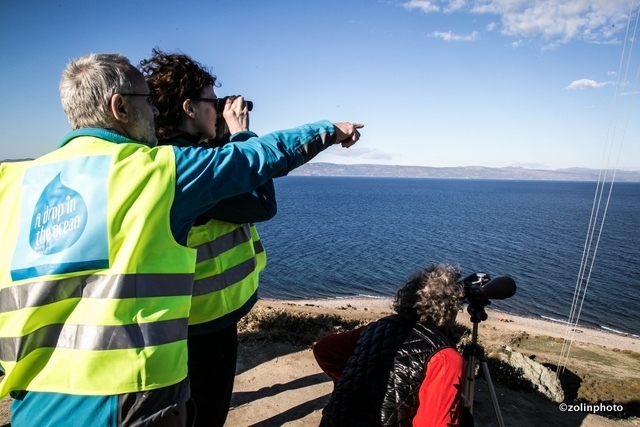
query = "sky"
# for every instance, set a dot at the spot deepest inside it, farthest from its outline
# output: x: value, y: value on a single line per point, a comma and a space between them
x: 543, y: 84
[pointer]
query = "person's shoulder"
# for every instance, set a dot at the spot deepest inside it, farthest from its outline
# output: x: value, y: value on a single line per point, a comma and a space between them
x: 191, y: 154
x: 96, y: 133
x: 447, y: 357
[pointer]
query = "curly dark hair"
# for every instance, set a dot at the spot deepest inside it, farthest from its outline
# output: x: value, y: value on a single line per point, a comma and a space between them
x: 173, y: 78
x: 430, y: 295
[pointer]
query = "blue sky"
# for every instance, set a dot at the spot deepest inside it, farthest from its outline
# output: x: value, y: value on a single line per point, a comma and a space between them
x: 539, y: 84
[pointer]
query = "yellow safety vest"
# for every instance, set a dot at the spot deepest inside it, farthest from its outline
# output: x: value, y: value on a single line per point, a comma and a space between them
x: 94, y: 290
x: 230, y: 258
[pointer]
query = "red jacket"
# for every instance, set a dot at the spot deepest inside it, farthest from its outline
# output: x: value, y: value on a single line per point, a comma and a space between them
x: 439, y: 395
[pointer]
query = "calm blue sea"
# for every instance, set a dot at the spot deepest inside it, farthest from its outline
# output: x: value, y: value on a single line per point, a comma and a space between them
x: 347, y: 236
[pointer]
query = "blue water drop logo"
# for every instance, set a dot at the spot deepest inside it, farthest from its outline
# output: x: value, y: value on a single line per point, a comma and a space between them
x: 59, y: 218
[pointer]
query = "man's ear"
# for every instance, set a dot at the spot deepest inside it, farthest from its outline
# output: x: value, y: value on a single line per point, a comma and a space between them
x: 120, y: 108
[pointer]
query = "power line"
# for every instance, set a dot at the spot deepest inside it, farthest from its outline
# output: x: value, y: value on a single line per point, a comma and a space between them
x: 597, y: 219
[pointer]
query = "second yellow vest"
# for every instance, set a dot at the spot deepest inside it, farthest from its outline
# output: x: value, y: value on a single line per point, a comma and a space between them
x: 230, y: 258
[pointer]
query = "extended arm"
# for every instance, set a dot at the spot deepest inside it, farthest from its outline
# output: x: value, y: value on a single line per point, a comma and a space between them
x: 205, y: 176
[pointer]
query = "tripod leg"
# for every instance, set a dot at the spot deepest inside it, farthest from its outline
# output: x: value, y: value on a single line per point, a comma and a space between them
x: 469, y: 380
x: 492, y: 392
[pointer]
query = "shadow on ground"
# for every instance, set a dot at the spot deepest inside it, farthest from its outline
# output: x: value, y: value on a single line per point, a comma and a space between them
x: 294, y: 413
x: 241, y: 398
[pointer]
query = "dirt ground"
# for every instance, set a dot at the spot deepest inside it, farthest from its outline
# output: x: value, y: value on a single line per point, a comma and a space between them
x: 278, y: 382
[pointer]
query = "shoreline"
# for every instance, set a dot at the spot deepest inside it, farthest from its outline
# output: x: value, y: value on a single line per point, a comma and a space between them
x: 505, y: 320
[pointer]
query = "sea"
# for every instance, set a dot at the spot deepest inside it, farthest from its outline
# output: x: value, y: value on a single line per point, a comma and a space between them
x: 344, y: 237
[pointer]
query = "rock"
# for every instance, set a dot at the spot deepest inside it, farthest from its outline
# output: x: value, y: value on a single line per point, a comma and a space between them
x: 542, y: 378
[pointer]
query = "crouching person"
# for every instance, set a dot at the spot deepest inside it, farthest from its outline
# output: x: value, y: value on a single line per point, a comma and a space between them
x: 402, y: 370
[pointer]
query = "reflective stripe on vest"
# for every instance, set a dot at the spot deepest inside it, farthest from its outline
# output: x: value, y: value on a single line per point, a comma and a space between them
x: 230, y: 258
x: 94, y: 290
x: 91, y: 337
x: 261, y: 255
x: 83, y: 337
x: 120, y: 286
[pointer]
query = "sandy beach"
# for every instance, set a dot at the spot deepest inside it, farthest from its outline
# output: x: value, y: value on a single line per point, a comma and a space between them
x: 495, y: 318
x: 278, y: 382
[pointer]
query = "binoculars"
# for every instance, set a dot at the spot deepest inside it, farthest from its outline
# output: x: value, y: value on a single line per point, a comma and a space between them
x: 222, y: 130
x: 220, y: 102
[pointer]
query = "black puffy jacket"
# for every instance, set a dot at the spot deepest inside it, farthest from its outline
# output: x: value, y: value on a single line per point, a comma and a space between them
x: 380, y: 383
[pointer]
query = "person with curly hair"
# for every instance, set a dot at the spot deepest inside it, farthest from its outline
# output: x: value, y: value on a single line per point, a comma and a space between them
x: 183, y: 91
x: 230, y: 253
x: 402, y: 370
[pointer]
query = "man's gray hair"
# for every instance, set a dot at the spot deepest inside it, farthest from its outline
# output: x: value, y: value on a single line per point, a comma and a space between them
x: 87, y: 85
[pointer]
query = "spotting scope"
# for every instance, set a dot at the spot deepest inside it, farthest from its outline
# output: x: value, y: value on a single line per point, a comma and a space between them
x: 479, y: 289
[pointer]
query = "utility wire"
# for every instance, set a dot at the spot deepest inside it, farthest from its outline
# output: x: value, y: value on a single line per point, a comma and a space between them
x: 588, y: 257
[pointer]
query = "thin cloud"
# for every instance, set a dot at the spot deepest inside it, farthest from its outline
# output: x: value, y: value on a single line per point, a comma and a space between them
x: 587, y: 84
x: 429, y: 6
x: 455, y: 5
x: 451, y: 37
x: 555, y: 22
x: 364, y: 153
x: 423, y: 5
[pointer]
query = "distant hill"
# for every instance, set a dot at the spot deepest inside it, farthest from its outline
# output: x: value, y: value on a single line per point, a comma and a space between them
x: 468, y: 172
x: 13, y: 160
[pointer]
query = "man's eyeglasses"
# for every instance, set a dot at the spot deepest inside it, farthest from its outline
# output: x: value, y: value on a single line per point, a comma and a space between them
x: 149, y: 96
x: 218, y: 103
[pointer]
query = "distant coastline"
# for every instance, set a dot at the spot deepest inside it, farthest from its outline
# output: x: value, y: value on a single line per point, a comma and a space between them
x: 459, y: 172
x: 466, y: 172
x: 14, y: 160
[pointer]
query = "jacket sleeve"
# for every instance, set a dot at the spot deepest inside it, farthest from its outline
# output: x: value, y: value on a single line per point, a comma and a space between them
x: 333, y: 351
x: 439, y: 395
x: 205, y: 176
x: 254, y: 206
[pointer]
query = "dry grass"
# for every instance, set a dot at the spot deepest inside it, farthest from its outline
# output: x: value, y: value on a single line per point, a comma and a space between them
x: 297, y: 328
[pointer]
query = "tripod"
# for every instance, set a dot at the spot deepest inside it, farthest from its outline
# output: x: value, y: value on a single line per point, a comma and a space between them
x: 473, y: 353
